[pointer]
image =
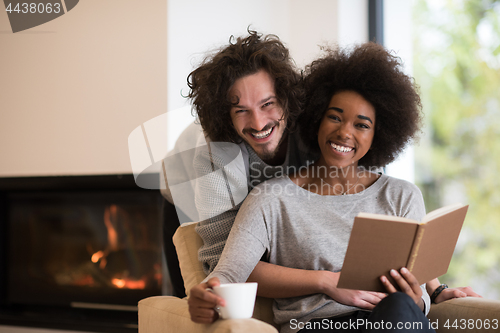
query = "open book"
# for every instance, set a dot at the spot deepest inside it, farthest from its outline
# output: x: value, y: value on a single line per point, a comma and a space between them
x: 380, y: 243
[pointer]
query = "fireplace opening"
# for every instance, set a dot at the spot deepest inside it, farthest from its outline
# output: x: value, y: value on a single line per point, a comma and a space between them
x: 87, y: 243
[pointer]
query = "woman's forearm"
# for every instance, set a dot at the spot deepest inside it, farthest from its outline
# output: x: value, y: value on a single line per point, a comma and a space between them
x: 281, y: 282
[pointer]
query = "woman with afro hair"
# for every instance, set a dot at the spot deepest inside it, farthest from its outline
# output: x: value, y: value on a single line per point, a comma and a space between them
x: 361, y: 111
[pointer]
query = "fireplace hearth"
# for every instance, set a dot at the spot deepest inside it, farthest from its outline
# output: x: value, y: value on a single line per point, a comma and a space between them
x: 78, y: 252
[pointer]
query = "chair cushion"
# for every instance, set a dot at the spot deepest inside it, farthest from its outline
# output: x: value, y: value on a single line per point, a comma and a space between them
x: 187, y: 242
x: 167, y: 314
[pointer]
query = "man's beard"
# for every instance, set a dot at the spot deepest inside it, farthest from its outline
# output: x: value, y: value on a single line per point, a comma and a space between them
x: 267, y: 154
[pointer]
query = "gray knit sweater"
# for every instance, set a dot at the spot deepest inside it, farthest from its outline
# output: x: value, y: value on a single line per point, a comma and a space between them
x: 296, y: 228
x: 214, y: 189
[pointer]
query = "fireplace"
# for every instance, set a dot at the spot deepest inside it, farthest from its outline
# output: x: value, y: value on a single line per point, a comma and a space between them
x: 79, y: 252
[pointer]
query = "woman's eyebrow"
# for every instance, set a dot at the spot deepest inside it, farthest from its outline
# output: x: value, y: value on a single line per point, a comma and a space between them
x: 365, y: 118
x: 342, y: 111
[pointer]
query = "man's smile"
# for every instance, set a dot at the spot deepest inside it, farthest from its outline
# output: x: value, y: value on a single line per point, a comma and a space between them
x: 262, y: 134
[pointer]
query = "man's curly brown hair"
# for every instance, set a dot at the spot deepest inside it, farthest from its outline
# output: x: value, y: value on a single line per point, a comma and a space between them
x: 377, y: 75
x: 210, y: 83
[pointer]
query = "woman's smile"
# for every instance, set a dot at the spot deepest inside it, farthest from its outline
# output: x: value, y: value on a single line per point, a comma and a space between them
x: 341, y: 148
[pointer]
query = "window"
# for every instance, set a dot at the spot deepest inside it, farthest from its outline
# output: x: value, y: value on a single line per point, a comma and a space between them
x: 456, y: 63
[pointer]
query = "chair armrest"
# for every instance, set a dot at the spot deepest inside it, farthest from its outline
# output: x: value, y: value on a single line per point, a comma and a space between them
x: 480, y: 310
x: 187, y: 242
x: 168, y: 314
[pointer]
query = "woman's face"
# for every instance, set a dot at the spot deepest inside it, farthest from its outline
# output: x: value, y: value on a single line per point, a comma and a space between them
x: 346, y: 131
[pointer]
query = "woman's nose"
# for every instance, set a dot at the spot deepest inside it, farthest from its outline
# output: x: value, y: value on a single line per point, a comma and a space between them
x: 345, y: 131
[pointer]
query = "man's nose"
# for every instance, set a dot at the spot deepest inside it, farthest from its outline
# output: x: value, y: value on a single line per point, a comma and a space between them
x: 258, y: 120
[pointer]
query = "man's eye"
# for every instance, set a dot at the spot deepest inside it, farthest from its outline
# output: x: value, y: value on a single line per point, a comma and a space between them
x: 239, y: 111
x: 267, y: 104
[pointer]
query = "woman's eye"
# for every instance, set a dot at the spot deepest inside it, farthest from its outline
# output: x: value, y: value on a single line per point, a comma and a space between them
x: 334, y: 117
x: 363, y: 126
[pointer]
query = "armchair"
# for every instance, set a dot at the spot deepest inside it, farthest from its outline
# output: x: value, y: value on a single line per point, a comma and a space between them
x: 169, y: 314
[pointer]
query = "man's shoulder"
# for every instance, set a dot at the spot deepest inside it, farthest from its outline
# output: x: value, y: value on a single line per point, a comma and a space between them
x: 190, y: 137
x: 221, y: 155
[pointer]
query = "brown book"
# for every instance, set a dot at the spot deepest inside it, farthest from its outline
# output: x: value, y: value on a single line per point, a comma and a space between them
x: 379, y: 243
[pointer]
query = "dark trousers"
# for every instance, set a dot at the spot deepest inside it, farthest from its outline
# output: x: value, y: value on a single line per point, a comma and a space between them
x: 395, y: 313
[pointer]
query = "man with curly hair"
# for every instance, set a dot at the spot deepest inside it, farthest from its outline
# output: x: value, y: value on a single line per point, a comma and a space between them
x: 246, y: 97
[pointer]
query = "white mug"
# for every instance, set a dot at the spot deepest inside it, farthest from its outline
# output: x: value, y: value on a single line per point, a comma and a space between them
x: 239, y: 297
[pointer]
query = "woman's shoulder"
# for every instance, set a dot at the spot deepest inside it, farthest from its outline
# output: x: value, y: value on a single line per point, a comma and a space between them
x: 405, y: 197
x: 399, y: 183
x: 271, y: 191
x: 400, y: 189
x: 269, y: 184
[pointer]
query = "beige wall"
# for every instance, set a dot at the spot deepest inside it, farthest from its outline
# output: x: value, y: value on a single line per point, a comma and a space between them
x: 73, y: 89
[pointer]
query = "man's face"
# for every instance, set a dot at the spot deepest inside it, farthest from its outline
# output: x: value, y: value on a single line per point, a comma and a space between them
x: 257, y: 115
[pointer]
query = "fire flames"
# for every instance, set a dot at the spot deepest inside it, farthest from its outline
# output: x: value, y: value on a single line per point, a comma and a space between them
x: 117, y: 260
x: 129, y: 284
